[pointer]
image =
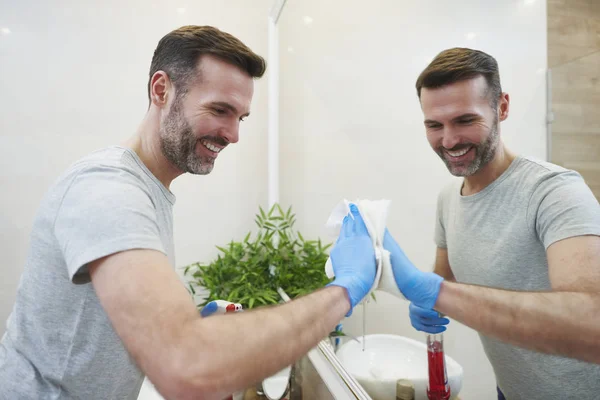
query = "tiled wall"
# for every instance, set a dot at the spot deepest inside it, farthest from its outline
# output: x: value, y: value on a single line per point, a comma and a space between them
x: 574, y: 61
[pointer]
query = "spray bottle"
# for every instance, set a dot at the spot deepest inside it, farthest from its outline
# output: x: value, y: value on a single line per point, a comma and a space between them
x: 437, y: 386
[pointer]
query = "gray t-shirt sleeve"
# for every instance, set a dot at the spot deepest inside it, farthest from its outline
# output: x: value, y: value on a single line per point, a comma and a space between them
x: 563, y: 206
x: 104, y: 211
x: 440, y: 231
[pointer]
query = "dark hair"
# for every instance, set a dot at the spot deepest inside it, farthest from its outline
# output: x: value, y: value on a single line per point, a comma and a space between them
x: 458, y: 64
x: 178, y: 52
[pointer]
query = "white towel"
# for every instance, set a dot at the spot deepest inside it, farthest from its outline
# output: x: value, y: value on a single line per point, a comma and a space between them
x: 374, y: 213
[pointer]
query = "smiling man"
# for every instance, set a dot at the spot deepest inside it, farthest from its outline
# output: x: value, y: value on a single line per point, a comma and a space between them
x: 465, y: 154
x: 518, y: 242
x: 99, y: 304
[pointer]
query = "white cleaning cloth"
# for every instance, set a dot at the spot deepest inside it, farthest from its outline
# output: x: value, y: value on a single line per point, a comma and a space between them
x: 374, y: 213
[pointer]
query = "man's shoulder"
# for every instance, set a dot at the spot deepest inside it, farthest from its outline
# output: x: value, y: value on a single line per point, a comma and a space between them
x: 109, y: 157
x: 104, y: 170
x: 537, y: 168
x: 543, y: 175
x: 108, y: 163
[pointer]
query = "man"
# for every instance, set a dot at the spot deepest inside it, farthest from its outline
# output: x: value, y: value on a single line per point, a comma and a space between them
x: 520, y: 235
x: 99, y: 304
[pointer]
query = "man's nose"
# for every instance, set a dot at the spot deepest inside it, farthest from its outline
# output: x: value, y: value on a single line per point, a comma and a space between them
x: 231, y: 133
x: 450, y: 138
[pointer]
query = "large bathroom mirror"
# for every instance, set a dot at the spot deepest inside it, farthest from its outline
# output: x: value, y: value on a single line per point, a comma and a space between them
x: 346, y: 123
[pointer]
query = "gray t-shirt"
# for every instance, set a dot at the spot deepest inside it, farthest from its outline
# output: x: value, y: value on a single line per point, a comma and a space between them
x: 59, y: 342
x: 498, y: 238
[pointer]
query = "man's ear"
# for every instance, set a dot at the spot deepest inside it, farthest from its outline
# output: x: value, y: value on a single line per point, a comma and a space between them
x: 503, y: 106
x: 160, y: 88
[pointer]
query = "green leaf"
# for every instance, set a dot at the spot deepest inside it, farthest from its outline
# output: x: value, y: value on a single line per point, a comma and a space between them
x: 241, y: 270
x: 233, y: 295
x: 269, y: 297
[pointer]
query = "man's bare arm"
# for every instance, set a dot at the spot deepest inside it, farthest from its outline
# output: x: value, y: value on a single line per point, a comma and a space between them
x: 442, y: 265
x: 562, y: 321
x: 189, y: 357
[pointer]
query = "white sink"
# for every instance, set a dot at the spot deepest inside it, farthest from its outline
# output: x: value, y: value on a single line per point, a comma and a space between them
x: 274, y: 387
x: 388, y: 358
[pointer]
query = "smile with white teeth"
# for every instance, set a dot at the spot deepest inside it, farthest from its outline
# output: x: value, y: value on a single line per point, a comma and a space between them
x: 458, y: 153
x: 210, y: 146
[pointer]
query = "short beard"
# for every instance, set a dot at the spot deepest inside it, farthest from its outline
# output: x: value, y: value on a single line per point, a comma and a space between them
x: 484, y: 153
x: 178, y: 143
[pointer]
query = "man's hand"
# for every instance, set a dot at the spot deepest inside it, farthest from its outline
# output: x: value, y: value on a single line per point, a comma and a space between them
x: 427, y: 320
x: 421, y: 288
x: 353, y: 259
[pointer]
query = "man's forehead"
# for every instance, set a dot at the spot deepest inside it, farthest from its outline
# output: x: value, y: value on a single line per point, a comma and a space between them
x: 213, y: 69
x: 231, y: 93
x: 454, y: 99
x: 474, y: 87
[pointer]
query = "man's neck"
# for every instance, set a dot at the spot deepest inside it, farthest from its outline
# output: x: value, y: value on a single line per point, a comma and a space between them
x: 146, y: 144
x: 489, y: 173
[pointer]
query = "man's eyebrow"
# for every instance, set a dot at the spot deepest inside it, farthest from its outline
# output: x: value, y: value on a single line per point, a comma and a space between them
x: 228, y: 106
x: 466, y: 116
x: 460, y: 117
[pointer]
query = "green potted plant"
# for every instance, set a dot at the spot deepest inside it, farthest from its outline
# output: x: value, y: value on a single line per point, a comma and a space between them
x: 251, y: 271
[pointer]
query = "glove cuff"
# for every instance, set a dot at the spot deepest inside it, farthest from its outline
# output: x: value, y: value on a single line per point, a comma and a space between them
x: 428, y: 289
x: 344, y: 283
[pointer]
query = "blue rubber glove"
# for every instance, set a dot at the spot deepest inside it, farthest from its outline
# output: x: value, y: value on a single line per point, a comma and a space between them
x: 427, y: 320
x: 353, y: 259
x: 421, y: 288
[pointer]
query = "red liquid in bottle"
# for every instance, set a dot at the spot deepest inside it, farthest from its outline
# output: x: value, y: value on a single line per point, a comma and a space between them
x: 438, y: 388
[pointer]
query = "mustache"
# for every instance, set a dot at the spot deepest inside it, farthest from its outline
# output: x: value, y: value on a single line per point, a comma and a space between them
x: 215, y: 139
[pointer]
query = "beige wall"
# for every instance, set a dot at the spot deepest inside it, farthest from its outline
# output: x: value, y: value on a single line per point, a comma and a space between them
x: 574, y: 60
